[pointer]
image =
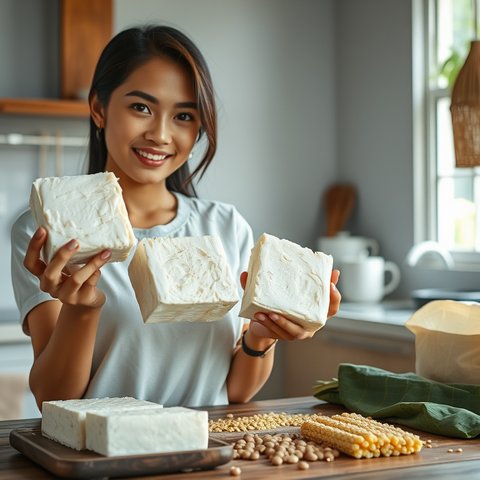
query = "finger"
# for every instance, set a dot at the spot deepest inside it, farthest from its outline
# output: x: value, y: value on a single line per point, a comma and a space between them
x: 88, y: 273
x: 94, y: 278
x: 52, y: 275
x: 276, y: 323
x: 72, y: 287
x: 292, y: 328
x: 243, y: 279
x: 32, y: 261
x: 335, y: 276
x: 71, y: 269
x: 335, y: 299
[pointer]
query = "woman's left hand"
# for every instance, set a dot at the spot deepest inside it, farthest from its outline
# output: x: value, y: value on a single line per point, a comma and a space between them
x: 274, y: 325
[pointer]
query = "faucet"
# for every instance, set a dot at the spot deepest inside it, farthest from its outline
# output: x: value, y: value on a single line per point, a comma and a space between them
x: 430, y: 249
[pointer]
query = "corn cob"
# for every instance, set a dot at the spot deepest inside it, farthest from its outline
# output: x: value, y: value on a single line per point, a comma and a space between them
x: 360, y: 437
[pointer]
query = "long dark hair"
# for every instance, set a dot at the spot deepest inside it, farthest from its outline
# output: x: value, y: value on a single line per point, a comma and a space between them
x: 127, y: 51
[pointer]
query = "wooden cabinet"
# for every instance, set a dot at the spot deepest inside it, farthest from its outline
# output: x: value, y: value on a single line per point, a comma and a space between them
x: 85, y: 27
x: 318, y: 358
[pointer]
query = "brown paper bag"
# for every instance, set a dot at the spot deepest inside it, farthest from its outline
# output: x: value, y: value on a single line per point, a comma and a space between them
x: 447, y: 341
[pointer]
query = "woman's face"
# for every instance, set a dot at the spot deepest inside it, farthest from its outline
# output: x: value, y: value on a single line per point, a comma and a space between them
x: 151, y: 122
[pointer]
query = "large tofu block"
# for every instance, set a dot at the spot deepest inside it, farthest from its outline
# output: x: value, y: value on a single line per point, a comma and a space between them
x: 64, y: 420
x: 148, y: 431
x: 88, y: 208
x: 288, y: 279
x: 184, y: 279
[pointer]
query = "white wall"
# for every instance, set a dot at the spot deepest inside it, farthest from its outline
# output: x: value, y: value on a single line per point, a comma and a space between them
x: 374, y: 109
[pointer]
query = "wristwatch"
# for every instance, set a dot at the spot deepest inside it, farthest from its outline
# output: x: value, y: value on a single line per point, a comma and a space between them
x: 256, y: 353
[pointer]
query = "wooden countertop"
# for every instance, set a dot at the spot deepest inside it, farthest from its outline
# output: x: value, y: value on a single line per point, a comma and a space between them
x: 433, y: 462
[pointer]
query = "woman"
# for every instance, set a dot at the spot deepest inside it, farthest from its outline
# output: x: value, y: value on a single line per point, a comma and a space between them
x: 152, y: 103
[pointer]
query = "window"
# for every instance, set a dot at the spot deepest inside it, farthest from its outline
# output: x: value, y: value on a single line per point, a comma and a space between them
x: 447, y: 198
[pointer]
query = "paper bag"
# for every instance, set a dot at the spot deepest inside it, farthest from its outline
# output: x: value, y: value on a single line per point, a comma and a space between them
x: 447, y: 341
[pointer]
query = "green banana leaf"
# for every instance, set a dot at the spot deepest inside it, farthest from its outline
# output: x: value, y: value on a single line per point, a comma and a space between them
x: 452, y: 410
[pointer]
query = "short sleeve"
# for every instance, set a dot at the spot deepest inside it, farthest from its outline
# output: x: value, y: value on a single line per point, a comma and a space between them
x: 26, y: 287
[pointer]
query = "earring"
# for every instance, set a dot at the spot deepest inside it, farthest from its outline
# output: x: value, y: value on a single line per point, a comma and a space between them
x: 98, y: 133
x: 191, y: 155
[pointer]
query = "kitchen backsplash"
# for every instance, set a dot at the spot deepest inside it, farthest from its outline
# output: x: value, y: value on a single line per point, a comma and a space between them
x: 20, y: 165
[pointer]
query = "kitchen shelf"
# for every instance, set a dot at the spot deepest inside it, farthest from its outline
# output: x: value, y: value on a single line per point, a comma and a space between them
x: 85, y: 28
x: 44, y: 107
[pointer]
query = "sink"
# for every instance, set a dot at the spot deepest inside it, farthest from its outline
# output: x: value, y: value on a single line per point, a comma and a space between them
x: 425, y: 295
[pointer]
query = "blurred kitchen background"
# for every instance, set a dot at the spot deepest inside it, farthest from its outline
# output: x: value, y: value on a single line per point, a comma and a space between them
x: 311, y: 92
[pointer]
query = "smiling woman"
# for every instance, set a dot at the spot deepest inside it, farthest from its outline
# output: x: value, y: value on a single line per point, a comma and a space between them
x: 151, y: 100
x: 154, y: 126
x: 192, y: 105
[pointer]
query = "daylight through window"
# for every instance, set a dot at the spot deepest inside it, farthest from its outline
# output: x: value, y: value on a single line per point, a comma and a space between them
x: 454, y: 192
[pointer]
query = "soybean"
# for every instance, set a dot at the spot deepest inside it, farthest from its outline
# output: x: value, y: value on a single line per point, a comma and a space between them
x: 282, y: 448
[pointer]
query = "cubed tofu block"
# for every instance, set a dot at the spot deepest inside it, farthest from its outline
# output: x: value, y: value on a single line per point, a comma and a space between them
x: 149, y: 431
x: 88, y: 208
x: 182, y: 279
x: 64, y: 420
x: 288, y: 279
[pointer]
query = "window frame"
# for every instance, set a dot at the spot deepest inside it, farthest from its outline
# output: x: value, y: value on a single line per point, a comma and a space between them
x: 424, y: 134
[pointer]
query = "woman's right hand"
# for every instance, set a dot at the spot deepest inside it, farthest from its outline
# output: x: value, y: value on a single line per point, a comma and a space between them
x: 72, y: 286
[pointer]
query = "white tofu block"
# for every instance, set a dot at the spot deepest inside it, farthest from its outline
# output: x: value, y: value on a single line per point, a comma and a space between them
x: 136, y: 432
x: 64, y: 420
x: 184, y: 279
x: 288, y: 279
x: 88, y: 208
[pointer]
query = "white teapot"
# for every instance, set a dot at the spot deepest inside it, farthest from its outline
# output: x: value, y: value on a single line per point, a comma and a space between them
x: 344, y: 247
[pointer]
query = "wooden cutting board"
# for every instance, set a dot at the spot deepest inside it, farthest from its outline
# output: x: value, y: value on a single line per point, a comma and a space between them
x: 66, y: 462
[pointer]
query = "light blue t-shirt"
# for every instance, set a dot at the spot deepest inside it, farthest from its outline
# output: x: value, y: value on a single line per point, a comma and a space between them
x: 169, y: 363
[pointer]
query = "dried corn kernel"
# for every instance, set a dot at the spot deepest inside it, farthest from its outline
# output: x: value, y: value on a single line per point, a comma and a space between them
x: 361, y: 437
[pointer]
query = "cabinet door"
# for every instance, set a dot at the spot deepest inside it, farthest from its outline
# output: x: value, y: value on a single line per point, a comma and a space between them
x: 307, y: 361
x: 85, y: 28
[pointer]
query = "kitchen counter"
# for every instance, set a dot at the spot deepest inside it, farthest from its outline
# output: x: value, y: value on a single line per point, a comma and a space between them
x: 435, y: 462
x: 360, y: 333
x: 393, y: 312
x: 386, y: 319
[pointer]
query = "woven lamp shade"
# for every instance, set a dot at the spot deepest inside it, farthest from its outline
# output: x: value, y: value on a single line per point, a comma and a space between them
x: 465, y: 110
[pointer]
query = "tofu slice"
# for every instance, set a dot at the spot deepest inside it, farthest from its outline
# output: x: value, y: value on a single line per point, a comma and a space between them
x: 184, y: 279
x: 134, y: 432
x: 89, y: 208
x: 288, y: 279
x: 64, y: 420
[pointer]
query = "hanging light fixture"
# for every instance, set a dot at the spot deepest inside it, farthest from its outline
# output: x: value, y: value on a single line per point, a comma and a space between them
x: 465, y: 106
